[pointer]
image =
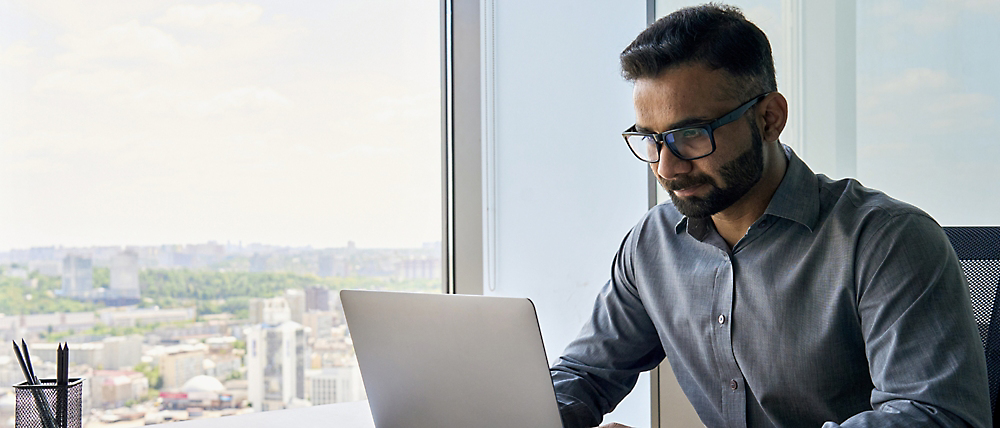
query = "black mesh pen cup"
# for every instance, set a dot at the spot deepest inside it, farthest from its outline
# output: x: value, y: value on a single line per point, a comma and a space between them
x: 49, y: 405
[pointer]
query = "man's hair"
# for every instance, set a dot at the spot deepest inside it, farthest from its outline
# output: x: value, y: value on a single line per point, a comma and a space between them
x: 715, y: 35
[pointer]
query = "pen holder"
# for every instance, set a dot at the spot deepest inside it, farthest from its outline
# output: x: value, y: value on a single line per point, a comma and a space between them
x: 49, y: 405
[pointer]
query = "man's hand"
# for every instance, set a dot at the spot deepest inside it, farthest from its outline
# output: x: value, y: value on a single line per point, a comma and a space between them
x: 614, y: 425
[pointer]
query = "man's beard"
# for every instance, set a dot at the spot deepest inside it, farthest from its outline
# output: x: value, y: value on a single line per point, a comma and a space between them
x: 739, y: 174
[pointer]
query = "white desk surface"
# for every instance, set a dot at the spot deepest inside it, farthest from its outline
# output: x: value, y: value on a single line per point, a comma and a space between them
x: 340, y: 415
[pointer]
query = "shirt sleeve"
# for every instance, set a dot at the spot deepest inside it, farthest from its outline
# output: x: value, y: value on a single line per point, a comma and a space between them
x: 924, y: 352
x: 599, y: 368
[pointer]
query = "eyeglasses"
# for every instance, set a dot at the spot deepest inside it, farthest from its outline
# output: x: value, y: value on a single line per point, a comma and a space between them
x: 688, y: 143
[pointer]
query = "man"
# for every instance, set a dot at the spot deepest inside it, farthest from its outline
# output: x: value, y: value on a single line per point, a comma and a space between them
x: 780, y: 297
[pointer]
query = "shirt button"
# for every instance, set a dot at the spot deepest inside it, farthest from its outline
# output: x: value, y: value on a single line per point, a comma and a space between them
x: 734, y: 384
x: 763, y: 223
x: 722, y: 319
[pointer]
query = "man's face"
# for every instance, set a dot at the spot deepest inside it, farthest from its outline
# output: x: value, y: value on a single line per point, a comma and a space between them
x: 694, y: 94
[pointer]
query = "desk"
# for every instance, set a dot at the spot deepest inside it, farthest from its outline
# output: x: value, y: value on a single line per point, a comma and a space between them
x: 341, y: 415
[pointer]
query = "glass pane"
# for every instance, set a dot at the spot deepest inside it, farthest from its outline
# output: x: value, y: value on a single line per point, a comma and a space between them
x: 187, y: 186
x: 927, y: 106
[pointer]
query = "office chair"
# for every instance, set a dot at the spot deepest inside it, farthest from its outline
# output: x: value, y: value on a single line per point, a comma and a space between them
x: 978, y: 250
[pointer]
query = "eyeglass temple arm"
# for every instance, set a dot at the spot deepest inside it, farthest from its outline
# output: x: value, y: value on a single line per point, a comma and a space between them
x: 735, y: 114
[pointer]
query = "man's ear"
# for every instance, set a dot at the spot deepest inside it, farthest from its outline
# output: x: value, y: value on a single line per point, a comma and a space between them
x: 774, y: 112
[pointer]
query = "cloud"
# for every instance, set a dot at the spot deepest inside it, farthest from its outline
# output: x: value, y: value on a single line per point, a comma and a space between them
x: 918, y: 101
x: 929, y: 16
x: 210, y: 17
x: 915, y: 80
x: 86, y: 82
x: 16, y: 55
x: 131, y: 40
x: 245, y: 98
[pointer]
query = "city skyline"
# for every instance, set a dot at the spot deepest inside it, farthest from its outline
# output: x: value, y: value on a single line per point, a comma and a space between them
x: 250, y: 246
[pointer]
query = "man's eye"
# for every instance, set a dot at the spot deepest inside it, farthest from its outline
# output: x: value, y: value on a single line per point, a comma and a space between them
x: 689, y: 133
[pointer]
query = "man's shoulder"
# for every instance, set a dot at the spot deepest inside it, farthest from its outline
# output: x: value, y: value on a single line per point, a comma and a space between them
x: 847, y: 201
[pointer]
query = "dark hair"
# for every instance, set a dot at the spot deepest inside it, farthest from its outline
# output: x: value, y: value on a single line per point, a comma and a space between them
x: 715, y: 35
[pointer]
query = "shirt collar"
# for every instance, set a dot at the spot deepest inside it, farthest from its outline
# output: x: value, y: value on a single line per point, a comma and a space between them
x: 796, y: 199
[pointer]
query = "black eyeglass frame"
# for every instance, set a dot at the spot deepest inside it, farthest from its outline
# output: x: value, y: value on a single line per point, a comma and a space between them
x: 660, y: 138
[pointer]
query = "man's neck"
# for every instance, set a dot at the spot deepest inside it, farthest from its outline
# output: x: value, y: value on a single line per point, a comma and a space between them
x: 732, y: 223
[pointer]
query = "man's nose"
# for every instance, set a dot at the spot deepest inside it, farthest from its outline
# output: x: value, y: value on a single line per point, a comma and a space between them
x: 669, y: 165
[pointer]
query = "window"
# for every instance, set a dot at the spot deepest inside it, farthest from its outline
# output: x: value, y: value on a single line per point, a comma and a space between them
x: 239, y: 161
x: 928, y: 110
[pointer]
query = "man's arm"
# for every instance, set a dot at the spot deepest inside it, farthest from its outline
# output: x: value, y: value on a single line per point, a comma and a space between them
x: 924, y: 352
x: 599, y: 368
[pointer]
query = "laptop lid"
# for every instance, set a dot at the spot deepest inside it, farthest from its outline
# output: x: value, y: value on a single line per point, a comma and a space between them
x: 441, y: 361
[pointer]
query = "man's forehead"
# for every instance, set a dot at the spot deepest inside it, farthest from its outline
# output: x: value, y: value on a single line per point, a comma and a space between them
x: 682, y: 94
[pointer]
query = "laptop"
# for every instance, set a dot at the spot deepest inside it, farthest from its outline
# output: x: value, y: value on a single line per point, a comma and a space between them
x: 449, y: 361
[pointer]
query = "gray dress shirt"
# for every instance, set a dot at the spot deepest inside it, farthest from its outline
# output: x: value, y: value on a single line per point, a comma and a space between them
x: 839, y: 307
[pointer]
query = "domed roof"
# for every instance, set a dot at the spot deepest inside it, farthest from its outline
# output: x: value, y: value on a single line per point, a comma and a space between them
x: 202, y: 383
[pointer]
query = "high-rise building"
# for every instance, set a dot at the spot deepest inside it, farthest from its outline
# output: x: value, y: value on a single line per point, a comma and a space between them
x: 319, y: 322
x: 122, y: 351
x: 125, y: 275
x: 276, y: 363
x: 317, y: 299
x: 77, y: 276
x: 335, y: 385
x: 296, y: 303
x: 269, y: 311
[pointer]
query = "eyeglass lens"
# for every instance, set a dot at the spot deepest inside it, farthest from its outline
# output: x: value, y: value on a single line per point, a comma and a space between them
x: 687, y: 143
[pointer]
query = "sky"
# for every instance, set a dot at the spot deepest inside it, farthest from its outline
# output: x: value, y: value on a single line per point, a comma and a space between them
x: 929, y: 105
x: 156, y: 122
x: 318, y: 122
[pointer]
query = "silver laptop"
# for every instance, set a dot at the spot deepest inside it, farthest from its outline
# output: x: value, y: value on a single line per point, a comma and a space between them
x: 451, y: 361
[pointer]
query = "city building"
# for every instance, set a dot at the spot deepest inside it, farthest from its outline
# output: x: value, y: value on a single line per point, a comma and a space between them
x: 17, y: 326
x: 124, y: 277
x: 269, y: 311
x: 220, y: 345
x: 296, y: 304
x: 223, y: 365
x: 337, y: 266
x: 276, y: 363
x: 180, y: 363
x: 121, y: 352
x: 317, y: 299
x: 111, y: 353
x: 320, y: 323
x: 8, y: 408
x: 419, y: 268
x: 114, y: 388
x: 77, y: 276
x: 335, y: 385
x: 46, y: 267
x: 131, y: 317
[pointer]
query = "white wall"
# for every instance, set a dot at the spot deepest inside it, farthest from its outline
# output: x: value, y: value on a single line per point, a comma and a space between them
x: 561, y: 188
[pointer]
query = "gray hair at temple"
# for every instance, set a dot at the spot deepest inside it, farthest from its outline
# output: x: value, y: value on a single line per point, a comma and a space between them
x: 715, y: 35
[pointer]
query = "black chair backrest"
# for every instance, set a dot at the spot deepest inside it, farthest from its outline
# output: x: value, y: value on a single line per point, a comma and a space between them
x: 978, y: 249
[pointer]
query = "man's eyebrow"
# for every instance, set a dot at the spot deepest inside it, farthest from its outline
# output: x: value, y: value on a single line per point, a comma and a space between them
x: 677, y: 125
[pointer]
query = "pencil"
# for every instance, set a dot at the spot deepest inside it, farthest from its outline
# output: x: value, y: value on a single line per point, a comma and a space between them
x: 27, y: 362
x: 24, y: 368
x: 44, y: 411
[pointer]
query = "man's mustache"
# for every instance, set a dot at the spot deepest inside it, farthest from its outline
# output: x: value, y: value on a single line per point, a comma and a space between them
x: 686, y: 182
